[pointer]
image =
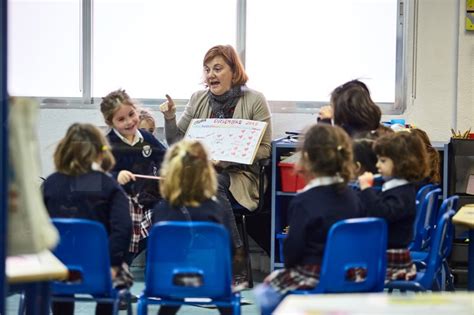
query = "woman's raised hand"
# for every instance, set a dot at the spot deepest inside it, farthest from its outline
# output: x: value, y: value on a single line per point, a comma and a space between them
x: 326, y: 112
x: 168, y: 108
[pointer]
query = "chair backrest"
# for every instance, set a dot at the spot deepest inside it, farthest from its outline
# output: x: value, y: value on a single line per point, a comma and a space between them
x: 188, y: 259
x: 449, y: 204
x: 83, y: 247
x: 421, y: 193
x: 426, y: 218
x: 442, y: 237
x: 354, y: 243
x: 420, y: 196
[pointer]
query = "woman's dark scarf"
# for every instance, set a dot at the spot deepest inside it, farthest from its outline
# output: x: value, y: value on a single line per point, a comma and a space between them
x: 223, y: 105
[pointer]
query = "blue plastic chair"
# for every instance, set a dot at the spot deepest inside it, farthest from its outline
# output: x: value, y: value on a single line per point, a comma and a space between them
x: 353, y: 243
x: 427, y: 279
x: 420, y: 196
x: 421, y: 257
x: 426, y: 218
x: 188, y: 261
x: 84, y: 247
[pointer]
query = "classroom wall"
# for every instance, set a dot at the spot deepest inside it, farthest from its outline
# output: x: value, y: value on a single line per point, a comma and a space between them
x: 442, y: 77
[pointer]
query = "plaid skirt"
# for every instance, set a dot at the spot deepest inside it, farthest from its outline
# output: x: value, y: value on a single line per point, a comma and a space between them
x: 399, y: 265
x: 299, y: 277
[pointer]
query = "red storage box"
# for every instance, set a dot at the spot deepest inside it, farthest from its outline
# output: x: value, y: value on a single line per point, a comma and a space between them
x: 290, y: 180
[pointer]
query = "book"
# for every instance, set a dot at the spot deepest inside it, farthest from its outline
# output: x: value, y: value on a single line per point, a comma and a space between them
x: 230, y: 140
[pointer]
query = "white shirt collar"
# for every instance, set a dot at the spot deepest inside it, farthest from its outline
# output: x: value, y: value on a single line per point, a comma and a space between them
x: 393, y: 183
x: 96, y: 167
x: 138, y: 137
x: 322, y: 181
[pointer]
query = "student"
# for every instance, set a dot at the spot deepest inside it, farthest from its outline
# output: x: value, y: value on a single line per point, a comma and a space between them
x: 402, y: 160
x: 136, y: 152
x: 352, y: 108
x: 226, y: 96
x: 326, y: 163
x: 147, y: 121
x: 433, y: 176
x: 364, y: 156
x: 188, y: 187
x: 81, y: 188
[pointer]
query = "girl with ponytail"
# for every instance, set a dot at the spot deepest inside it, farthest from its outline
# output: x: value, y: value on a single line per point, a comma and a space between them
x: 188, y: 187
x: 326, y: 163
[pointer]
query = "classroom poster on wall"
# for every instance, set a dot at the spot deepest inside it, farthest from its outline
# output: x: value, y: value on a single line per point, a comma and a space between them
x: 231, y: 140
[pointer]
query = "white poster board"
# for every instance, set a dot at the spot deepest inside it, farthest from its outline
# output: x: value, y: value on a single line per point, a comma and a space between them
x: 231, y: 140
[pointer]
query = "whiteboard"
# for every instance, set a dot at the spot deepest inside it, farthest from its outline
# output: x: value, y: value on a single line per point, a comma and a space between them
x: 231, y: 140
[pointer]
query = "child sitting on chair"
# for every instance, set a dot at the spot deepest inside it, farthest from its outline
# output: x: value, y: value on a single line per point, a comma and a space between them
x: 326, y: 163
x: 188, y: 186
x: 136, y: 151
x: 82, y: 189
x: 402, y: 160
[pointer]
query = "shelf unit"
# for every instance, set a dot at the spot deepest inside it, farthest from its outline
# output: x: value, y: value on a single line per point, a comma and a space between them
x: 280, y: 200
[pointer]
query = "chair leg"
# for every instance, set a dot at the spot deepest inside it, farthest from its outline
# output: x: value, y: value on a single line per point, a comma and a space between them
x: 449, y: 276
x: 245, y: 239
x: 21, y: 308
x: 142, y: 307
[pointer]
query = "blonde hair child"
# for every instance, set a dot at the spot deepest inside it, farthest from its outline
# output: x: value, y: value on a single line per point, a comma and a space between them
x: 188, y: 186
x: 189, y: 176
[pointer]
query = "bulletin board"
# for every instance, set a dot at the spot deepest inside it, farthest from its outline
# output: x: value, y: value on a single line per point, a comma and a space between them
x: 231, y: 140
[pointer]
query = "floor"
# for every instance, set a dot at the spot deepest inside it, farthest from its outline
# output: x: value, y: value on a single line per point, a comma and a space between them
x: 260, y: 265
x: 248, y: 303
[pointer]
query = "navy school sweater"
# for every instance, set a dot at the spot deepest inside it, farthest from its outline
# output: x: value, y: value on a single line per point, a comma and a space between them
x: 94, y: 196
x: 312, y: 213
x: 144, y: 158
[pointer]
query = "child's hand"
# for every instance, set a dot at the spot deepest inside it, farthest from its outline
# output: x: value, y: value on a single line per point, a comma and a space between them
x: 114, y: 271
x: 168, y: 108
x: 366, y: 180
x: 325, y: 112
x: 124, y: 177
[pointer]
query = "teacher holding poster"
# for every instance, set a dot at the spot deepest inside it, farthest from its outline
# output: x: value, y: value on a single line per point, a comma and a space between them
x: 226, y: 96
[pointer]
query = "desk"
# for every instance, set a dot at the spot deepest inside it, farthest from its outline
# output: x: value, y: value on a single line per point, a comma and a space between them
x: 378, y: 304
x: 31, y: 274
x: 465, y: 216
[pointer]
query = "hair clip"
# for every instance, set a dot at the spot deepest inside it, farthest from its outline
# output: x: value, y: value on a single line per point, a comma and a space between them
x: 105, y: 148
x: 339, y: 147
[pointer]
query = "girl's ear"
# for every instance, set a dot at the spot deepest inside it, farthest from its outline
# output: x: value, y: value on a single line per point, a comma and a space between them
x: 358, y: 167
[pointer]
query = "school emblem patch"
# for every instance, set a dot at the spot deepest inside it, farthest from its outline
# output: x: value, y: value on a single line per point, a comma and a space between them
x: 146, y: 151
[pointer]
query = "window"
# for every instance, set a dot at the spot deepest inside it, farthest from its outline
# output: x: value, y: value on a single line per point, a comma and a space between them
x: 151, y: 47
x: 44, y: 48
x: 311, y: 47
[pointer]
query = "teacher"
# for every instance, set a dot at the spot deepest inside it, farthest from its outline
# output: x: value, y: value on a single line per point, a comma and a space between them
x: 226, y: 96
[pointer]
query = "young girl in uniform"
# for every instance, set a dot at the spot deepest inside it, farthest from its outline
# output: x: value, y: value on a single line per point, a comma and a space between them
x: 137, y: 152
x: 81, y: 188
x: 401, y: 160
x: 188, y: 187
x: 326, y: 162
x: 147, y: 121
